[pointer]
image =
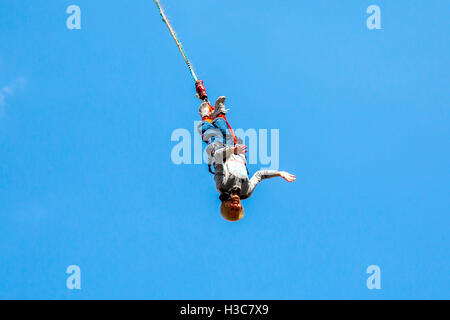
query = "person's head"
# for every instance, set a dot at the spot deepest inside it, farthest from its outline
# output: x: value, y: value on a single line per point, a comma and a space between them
x: 231, y: 208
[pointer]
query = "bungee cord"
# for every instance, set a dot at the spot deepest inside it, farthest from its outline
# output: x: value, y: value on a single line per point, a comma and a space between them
x: 200, y: 88
x: 179, y: 45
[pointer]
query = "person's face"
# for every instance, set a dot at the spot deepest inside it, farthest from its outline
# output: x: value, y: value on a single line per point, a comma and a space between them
x: 234, y: 203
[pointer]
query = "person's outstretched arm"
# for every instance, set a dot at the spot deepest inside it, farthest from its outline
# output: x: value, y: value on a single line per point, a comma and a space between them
x: 267, y: 174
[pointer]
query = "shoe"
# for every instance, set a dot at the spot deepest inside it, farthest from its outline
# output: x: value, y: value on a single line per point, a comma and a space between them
x: 203, y: 110
x: 220, y: 107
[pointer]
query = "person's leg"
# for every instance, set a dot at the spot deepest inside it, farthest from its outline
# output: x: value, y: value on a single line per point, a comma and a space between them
x: 221, y: 124
x: 217, y: 129
x: 208, y: 131
x: 206, y: 128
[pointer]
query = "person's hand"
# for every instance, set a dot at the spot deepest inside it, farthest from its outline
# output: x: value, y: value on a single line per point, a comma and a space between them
x: 240, y: 149
x: 287, y: 176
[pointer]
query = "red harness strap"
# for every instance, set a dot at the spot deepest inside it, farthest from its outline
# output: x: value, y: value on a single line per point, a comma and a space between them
x: 229, y: 127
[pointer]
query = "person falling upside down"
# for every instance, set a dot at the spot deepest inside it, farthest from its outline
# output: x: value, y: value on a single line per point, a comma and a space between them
x: 227, y: 155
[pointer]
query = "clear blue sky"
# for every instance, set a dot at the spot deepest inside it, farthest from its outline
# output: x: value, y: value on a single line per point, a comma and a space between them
x: 85, y: 170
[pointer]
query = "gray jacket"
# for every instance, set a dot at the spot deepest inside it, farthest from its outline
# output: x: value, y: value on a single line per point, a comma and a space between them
x: 231, y: 171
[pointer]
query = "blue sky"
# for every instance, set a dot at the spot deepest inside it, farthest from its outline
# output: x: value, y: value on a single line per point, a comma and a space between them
x: 86, y: 176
